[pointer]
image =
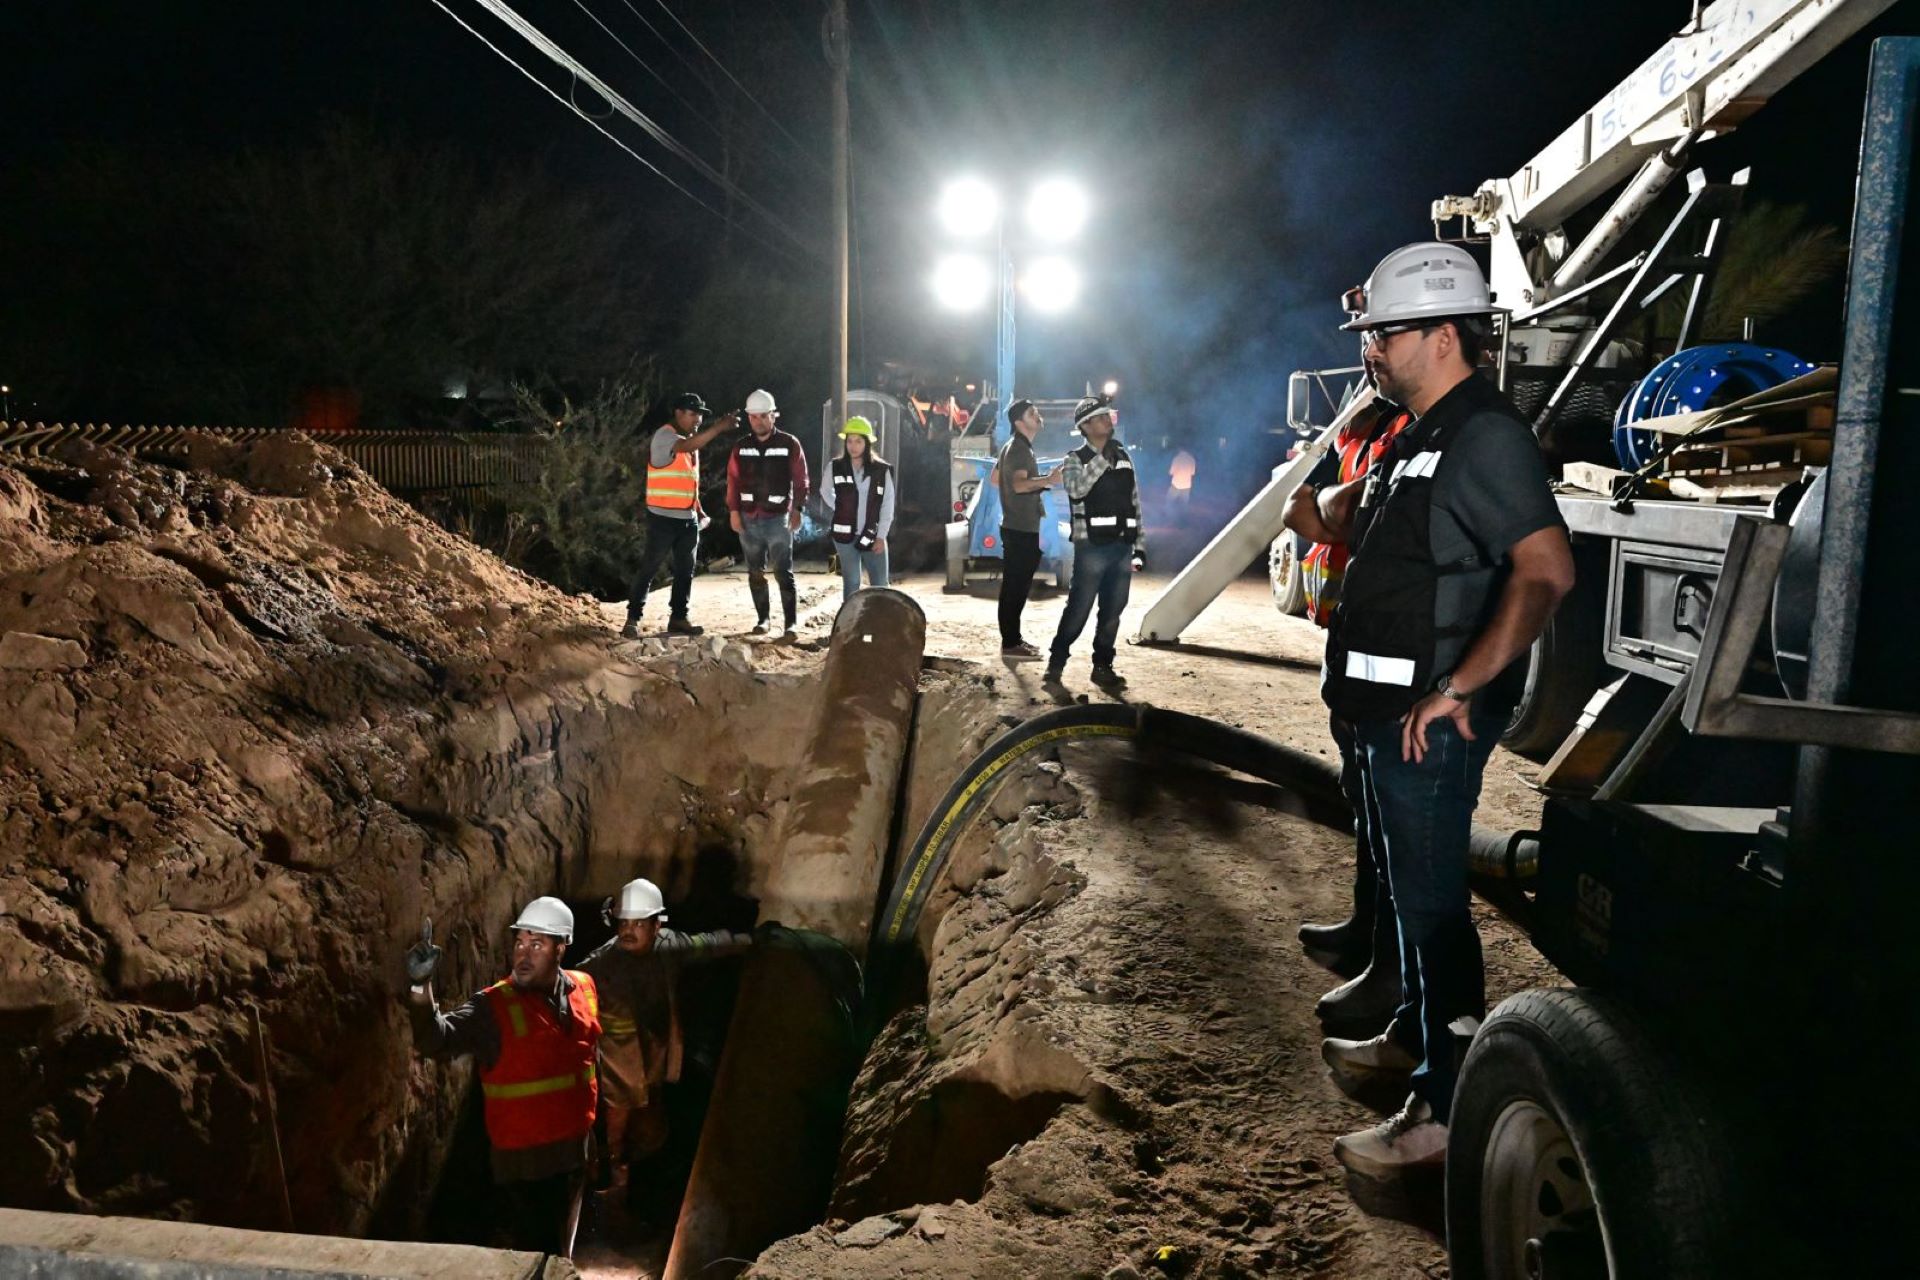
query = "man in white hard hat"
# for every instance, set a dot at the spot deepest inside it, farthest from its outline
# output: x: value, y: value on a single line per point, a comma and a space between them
x: 766, y: 494
x: 643, y: 1050
x: 535, y: 1036
x: 1458, y: 559
x: 1109, y: 540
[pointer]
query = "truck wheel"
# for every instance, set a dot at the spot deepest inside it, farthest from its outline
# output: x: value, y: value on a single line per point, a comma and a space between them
x: 1564, y: 668
x: 1578, y: 1147
x: 1283, y: 571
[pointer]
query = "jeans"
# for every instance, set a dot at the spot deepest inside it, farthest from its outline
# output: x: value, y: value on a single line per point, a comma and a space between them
x: 1019, y: 558
x: 1372, y: 895
x: 852, y: 559
x: 764, y: 540
x: 540, y: 1215
x: 1421, y: 814
x: 1102, y: 570
x: 667, y: 537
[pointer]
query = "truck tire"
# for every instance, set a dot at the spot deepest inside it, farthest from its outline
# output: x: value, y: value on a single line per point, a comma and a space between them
x: 1564, y: 667
x: 1283, y: 572
x: 1578, y: 1146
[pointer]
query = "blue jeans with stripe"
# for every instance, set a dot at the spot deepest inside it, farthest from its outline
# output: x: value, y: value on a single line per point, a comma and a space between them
x: 1103, y: 572
x: 1420, y: 814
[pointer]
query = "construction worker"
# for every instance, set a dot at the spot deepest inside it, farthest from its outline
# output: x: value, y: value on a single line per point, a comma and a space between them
x: 674, y: 517
x: 1458, y: 560
x: 862, y: 507
x: 535, y: 1036
x: 1109, y: 542
x: 642, y: 1049
x: 766, y: 492
x: 1022, y: 485
x: 1365, y: 947
x: 1180, y: 477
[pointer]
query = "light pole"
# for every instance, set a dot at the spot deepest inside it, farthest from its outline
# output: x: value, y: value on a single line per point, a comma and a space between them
x: 970, y: 208
x: 6, y: 398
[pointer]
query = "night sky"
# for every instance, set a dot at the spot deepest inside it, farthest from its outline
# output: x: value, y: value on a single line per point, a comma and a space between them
x: 1250, y: 160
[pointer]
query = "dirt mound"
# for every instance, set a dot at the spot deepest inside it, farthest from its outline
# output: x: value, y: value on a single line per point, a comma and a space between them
x: 261, y: 718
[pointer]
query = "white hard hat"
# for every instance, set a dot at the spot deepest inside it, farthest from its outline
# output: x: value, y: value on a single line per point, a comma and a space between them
x: 640, y: 900
x: 546, y: 915
x: 1426, y: 281
x: 762, y: 402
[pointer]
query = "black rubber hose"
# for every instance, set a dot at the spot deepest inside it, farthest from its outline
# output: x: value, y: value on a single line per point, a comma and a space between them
x: 1316, y: 781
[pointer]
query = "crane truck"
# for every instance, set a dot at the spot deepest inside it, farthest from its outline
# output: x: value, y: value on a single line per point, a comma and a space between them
x: 1726, y: 865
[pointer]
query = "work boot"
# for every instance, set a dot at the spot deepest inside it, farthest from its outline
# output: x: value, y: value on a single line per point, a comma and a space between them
x: 1106, y: 677
x: 679, y: 626
x: 1346, y: 948
x: 1410, y: 1140
x: 632, y: 630
x: 1054, y: 674
x: 1363, y: 1006
x: 1366, y: 1069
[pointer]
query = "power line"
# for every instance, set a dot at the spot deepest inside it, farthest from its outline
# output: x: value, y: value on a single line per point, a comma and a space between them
x: 565, y: 102
x: 539, y: 40
x: 745, y: 92
x: 645, y: 66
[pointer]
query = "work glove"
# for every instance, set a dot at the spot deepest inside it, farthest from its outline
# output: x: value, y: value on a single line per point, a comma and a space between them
x: 866, y: 543
x: 1139, y: 562
x: 423, y: 957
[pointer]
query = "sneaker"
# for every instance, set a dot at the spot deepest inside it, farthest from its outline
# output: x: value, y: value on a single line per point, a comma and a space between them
x: 759, y: 628
x: 1367, y: 1066
x: 1411, y: 1139
x: 632, y: 630
x: 789, y: 635
x: 681, y: 627
x: 1107, y: 678
x: 1019, y: 651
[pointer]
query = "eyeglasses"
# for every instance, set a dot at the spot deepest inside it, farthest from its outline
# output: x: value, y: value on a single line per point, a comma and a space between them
x: 1374, y: 337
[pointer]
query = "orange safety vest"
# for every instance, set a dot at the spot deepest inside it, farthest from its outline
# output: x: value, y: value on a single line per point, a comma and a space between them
x: 544, y: 1087
x: 676, y: 486
x: 1326, y: 563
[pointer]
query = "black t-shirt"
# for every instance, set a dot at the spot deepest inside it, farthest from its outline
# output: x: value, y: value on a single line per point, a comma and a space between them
x: 1492, y: 492
x: 1019, y: 510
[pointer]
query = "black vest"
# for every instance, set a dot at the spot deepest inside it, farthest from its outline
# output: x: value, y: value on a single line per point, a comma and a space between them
x: 766, y: 473
x: 1383, y: 637
x: 1107, y: 511
x: 849, y: 523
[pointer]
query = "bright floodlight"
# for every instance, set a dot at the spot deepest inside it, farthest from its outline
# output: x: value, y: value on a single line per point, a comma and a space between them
x: 1111, y: 387
x: 1057, y: 210
x: 961, y: 282
x: 1052, y: 284
x: 968, y: 207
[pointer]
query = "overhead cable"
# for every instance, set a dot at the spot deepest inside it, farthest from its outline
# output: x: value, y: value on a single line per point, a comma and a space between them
x: 539, y: 40
x: 745, y: 92
x: 565, y: 102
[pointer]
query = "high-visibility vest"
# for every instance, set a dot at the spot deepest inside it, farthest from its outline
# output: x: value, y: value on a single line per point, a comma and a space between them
x: 1360, y: 445
x: 676, y: 486
x: 543, y: 1088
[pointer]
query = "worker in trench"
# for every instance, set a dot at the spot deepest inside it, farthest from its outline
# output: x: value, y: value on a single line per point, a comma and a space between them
x: 1459, y: 558
x: 642, y: 1049
x: 1365, y: 947
x: 535, y: 1036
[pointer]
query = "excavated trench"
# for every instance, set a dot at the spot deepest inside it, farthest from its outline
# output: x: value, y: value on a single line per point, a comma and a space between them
x: 265, y: 719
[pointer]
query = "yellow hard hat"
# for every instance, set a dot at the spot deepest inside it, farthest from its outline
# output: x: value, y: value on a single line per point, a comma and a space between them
x: 857, y: 426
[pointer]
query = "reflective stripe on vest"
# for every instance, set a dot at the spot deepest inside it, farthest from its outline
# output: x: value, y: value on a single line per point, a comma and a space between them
x: 534, y: 1088
x: 676, y: 486
x: 1380, y: 670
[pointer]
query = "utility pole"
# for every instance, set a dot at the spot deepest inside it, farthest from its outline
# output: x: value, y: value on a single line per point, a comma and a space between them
x: 837, y: 56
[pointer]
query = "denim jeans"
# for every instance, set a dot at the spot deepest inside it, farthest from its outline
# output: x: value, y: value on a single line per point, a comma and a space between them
x: 764, y: 541
x: 1102, y: 571
x: 852, y: 560
x: 1372, y: 894
x: 1421, y: 814
x: 668, y: 537
x: 1019, y: 557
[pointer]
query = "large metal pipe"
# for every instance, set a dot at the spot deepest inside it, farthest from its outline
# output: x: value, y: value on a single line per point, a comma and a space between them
x: 764, y: 1168
x: 1635, y: 199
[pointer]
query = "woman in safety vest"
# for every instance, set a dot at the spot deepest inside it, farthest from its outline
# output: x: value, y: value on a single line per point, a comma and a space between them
x: 863, y: 486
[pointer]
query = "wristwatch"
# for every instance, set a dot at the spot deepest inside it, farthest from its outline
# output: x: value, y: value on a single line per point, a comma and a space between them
x: 1446, y: 690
